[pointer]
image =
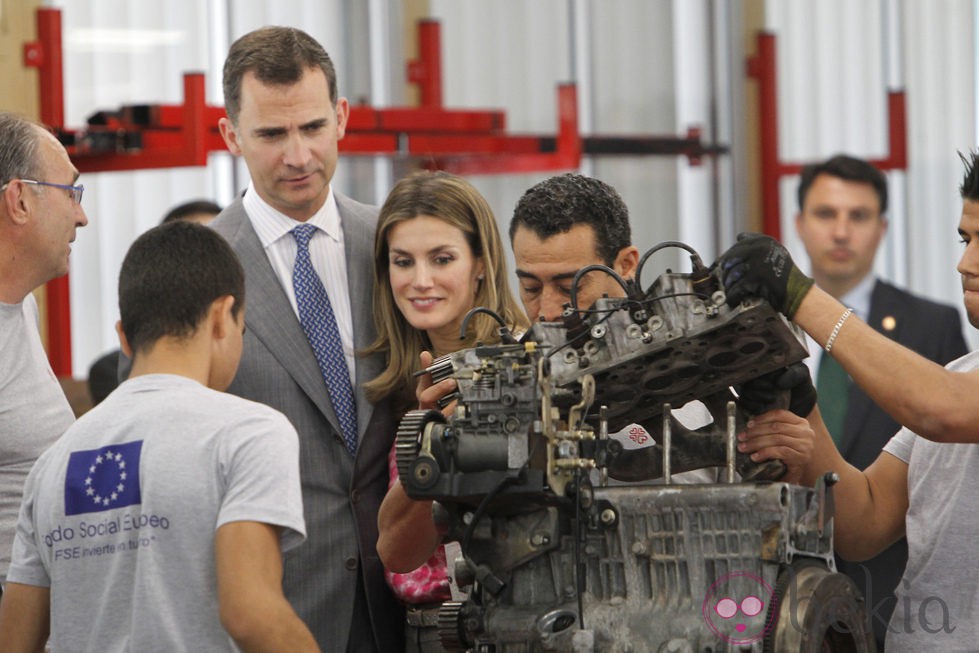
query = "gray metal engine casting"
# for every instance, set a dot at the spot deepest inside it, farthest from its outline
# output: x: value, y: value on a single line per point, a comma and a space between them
x: 555, y: 560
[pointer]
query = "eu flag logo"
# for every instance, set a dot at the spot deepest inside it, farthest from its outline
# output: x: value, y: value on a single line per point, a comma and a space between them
x: 102, y: 479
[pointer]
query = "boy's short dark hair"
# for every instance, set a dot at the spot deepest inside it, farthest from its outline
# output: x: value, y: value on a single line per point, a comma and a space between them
x: 193, y: 207
x: 169, y: 279
x: 558, y: 203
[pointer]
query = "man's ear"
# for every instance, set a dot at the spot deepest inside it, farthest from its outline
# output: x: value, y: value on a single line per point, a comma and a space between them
x: 17, y: 201
x: 123, y: 341
x: 626, y: 262
x: 222, y: 320
x: 230, y: 135
x: 343, y: 112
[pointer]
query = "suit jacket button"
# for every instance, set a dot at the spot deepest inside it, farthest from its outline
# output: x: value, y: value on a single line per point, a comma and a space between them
x: 351, y: 564
x: 354, y: 496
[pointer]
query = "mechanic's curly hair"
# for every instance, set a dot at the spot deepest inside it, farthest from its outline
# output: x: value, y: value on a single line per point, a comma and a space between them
x: 557, y: 204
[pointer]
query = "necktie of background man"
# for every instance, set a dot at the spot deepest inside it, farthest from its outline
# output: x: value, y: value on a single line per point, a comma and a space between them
x: 832, y: 387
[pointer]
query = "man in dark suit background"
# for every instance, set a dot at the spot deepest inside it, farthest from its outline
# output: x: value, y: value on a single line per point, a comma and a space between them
x: 284, y: 117
x: 841, y: 222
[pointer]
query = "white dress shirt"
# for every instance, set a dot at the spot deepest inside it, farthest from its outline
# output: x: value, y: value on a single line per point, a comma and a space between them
x: 325, y: 250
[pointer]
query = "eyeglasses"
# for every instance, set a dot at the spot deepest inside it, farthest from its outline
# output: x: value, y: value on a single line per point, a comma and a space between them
x: 76, y: 191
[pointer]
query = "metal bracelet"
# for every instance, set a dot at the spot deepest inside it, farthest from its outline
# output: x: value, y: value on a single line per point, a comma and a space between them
x: 836, y: 329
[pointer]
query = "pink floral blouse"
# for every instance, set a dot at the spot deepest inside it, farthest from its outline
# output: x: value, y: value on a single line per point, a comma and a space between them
x: 430, y: 582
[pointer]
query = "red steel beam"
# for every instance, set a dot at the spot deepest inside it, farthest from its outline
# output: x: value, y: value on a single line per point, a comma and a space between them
x: 45, y: 55
x: 762, y: 67
x: 186, y: 146
x: 566, y: 156
x: 426, y: 70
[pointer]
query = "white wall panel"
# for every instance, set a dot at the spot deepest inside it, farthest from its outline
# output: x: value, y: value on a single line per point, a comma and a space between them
x: 511, y: 54
x: 635, y: 94
x: 834, y: 66
x: 508, y: 55
x: 830, y: 76
x: 941, y: 103
x: 118, y: 52
x: 692, y: 89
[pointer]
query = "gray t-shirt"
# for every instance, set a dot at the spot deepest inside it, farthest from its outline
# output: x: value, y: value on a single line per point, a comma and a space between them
x: 119, y: 516
x: 33, y: 411
x: 938, y: 598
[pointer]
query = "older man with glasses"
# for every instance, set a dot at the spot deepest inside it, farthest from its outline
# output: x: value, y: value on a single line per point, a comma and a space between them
x: 40, y: 209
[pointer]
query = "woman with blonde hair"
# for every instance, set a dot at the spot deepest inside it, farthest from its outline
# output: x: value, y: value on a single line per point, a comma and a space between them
x: 437, y: 255
x: 430, y: 206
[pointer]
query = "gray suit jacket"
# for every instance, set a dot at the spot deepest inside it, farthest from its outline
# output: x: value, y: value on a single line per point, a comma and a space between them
x: 335, y: 579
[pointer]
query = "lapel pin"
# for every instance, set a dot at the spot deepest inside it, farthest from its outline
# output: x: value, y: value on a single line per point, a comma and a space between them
x: 889, y: 323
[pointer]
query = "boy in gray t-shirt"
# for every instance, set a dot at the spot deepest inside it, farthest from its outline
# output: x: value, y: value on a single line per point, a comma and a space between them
x: 158, y: 520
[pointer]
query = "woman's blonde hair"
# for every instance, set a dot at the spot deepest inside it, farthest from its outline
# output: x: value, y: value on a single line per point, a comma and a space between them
x: 455, y: 201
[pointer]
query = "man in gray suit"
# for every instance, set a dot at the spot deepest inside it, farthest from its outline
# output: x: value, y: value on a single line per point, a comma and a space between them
x: 284, y: 118
x: 841, y: 222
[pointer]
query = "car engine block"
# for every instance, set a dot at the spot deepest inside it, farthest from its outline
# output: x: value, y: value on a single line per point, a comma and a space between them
x: 557, y: 559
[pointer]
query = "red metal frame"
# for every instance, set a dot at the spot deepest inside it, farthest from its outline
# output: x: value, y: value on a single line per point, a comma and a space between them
x: 426, y: 70
x: 45, y: 55
x: 762, y: 67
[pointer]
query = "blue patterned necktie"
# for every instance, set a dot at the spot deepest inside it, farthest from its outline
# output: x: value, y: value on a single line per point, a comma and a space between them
x: 320, y: 325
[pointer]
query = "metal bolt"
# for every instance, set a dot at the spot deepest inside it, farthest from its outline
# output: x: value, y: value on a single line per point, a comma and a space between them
x: 540, y: 539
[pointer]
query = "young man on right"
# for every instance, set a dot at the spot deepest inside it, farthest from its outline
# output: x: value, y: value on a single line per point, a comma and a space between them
x: 925, y: 484
x: 158, y: 520
x: 842, y: 222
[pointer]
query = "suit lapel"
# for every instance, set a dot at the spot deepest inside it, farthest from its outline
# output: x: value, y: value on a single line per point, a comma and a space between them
x: 358, y: 246
x: 275, y: 324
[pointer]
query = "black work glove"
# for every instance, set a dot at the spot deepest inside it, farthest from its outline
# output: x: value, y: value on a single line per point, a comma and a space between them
x: 759, y: 266
x: 763, y: 393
